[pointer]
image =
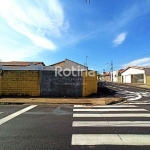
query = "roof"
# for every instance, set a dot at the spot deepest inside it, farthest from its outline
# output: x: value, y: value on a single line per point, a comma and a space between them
x: 106, y: 74
x: 120, y: 70
x: 57, y: 63
x: 20, y: 63
x: 67, y: 60
x: 76, y: 63
x: 136, y: 67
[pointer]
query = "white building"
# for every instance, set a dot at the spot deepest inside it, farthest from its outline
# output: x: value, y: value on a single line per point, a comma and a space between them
x: 134, y: 74
x: 115, y: 75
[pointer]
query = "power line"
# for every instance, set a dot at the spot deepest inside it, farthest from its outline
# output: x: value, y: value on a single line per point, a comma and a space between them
x: 103, y: 65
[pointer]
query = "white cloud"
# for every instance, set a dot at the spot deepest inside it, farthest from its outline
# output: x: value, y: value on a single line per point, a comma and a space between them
x: 138, y: 62
x: 119, y: 39
x: 38, y: 22
x: 17, y: 54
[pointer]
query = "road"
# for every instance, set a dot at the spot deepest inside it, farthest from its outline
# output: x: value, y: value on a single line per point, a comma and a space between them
x: 66, y: 127
x: 132, y: 94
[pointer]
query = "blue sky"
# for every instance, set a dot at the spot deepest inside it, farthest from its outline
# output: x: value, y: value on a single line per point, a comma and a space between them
x: 52, y: 30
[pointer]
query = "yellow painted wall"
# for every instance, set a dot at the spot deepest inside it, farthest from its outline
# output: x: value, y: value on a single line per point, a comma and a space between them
x: 119, y: 79
x: 20, y: 82
x: 148, y: 80
x: 89, y: 84
x: 0, y: 81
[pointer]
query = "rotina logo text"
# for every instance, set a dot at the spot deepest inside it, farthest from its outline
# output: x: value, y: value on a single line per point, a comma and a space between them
x: 59, y: 71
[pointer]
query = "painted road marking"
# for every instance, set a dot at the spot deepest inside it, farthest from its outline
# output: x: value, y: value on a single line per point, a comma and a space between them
x: 3, y: 120
x: 133, y: 95
x: 110, y: 139
x: 124, y: 86
x: 104, y: 106
x: 112, y: 115
x: 111, y: 123
x: 137, y: 103
x: 110, y: 110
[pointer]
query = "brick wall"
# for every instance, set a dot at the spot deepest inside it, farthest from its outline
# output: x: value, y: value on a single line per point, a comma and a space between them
x: 20, y: 83
x: 89, y: 84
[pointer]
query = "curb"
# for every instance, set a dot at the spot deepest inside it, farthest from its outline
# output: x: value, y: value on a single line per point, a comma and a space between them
x: 116, y: 102
x: 92, y: 102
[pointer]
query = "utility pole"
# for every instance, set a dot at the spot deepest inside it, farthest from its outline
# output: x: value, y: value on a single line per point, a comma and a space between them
x: 86, y: 61
x: 112, y: 69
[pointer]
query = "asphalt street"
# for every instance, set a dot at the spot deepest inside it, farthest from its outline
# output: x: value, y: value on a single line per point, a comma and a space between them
x: 66, y: 127
x: 131, y: 93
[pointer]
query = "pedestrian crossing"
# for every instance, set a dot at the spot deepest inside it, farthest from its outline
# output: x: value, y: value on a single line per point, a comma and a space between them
x: 110, y: 110
x: 111, y: 123
x: 110, y: 139
x: 127, y: 124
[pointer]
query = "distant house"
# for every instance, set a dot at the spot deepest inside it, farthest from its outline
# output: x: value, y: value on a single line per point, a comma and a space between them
x: 119, y: 74
x: 21, y: 65
x: 116, y: 75
x: 66, y: 64
x: 136, y: 74
x: 106, y: 76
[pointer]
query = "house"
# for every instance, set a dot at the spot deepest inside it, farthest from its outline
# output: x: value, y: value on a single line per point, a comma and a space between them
x: 106, y: 76
x: 66, y: 65
x: 116, y: 75
x: 136, y: 74
x: 119, y: 74
x: 21, y: 65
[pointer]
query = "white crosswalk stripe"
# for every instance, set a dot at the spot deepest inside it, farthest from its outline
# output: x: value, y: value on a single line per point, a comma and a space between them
x: 112, y: 112
x: 112, y: 115
x: 86, y: 106
x: 110, y: 139
x: 111, y: 123
x: 138, y: 103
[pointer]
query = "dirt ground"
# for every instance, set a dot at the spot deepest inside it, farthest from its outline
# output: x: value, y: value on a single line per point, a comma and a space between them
x: 102, y: 97
x: 88, y: 101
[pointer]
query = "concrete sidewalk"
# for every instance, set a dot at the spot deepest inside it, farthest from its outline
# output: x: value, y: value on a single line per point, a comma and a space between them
x: 87, y: 101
